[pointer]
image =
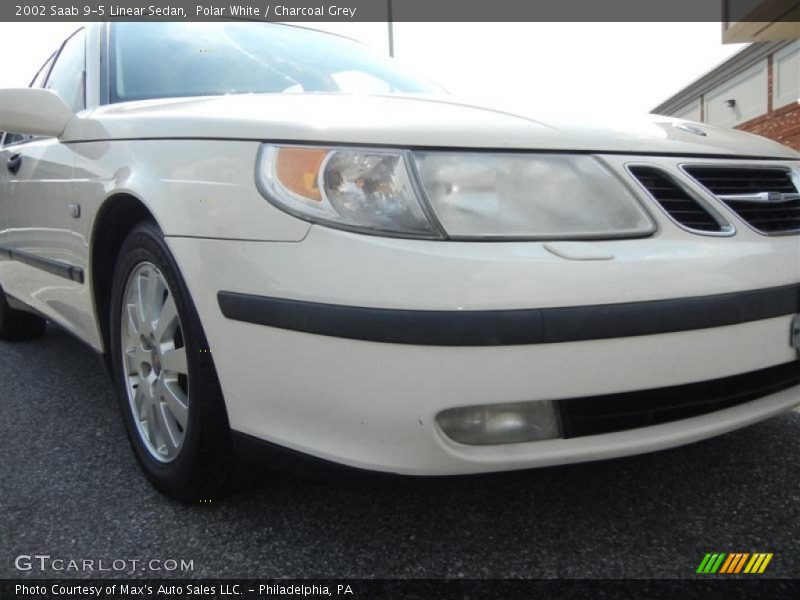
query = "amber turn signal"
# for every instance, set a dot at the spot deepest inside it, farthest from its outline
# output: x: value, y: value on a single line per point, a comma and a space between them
x: 298, y: 170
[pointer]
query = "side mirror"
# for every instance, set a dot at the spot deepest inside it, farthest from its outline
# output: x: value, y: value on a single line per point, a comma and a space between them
x: 34, y: 111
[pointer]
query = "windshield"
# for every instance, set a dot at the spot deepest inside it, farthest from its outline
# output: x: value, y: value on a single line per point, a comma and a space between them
x: 169, y: 60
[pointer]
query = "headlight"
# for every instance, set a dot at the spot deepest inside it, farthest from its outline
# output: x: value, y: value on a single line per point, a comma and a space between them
x: 539, y: 196
x: 358, y: 189
x: 466, y: 195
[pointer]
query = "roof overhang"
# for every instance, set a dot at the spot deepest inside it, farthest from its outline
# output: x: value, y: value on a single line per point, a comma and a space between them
x: 760, y: 20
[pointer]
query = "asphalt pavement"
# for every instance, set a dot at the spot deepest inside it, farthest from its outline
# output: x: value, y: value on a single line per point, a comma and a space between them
x: 70, y: 488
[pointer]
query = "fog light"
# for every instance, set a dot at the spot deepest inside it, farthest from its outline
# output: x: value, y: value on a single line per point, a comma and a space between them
x: 500, y: 423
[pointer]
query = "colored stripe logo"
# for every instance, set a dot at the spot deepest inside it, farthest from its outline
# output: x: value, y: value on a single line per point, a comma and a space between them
x: 734, y: 562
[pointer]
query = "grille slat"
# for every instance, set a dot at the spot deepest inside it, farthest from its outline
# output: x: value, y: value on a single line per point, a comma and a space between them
x: 767, y: 217
x: 675, y: 201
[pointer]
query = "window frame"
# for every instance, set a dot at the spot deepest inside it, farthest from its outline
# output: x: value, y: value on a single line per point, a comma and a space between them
x: 48, y: 64
x: 104, y: 80
x: 58, y: 55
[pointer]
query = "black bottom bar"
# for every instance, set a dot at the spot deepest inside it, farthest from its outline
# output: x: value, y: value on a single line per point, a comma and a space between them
x: 707, y: 587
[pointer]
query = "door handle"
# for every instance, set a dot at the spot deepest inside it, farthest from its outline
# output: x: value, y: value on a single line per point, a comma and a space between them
x: 14, y: 163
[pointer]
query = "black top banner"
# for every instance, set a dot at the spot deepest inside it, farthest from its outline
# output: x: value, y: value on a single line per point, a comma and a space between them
x: 405, y: 10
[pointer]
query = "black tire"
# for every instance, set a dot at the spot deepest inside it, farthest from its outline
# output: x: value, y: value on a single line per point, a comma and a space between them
x: 205, y: 467
x: 17, y: 325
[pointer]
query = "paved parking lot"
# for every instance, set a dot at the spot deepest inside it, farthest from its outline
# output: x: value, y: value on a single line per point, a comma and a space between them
x: 71, y: 489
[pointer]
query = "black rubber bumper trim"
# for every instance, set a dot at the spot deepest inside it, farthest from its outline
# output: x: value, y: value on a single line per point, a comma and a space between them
x: 512, y: 327
x: 44, y: 264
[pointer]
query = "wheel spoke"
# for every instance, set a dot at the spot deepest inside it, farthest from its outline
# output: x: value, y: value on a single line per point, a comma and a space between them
x: 167, y: 322
x: 132, y: 362
x: 150, y: 292
x: 151, y: 424
x: 154, y: 299
x: 140, y: 297
x: 173, y: 397
x: 174, y: 361
x: 140, y: 403
x: 134, y: 322
x: 169, y: 432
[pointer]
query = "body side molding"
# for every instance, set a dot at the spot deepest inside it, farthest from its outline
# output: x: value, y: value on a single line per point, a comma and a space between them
x: 515, y: 326
x: 45, y: 264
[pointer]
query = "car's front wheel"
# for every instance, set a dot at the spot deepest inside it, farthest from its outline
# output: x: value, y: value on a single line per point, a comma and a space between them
x: 169, y: 393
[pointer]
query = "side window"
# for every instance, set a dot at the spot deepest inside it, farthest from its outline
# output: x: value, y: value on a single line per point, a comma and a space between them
x: 13, y: 138
x: 67, y: 76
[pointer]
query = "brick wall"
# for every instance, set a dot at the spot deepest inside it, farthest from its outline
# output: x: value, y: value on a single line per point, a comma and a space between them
x: 781, y: 124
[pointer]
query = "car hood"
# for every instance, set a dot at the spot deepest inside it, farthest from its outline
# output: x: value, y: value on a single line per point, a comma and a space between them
x: 405, y: 121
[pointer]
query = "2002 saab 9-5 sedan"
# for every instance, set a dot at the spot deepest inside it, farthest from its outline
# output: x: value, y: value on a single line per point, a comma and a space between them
x: 289, y: 248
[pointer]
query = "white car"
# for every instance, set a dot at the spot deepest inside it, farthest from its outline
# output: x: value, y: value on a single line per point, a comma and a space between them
x: 289, y: 248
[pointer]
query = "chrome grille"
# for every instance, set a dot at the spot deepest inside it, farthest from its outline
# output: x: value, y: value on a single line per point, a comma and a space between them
x: 767, y: 198
x: 676, y: 201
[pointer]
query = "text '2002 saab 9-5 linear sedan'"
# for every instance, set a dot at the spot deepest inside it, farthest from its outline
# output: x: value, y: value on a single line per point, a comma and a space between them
x: 288, y: 247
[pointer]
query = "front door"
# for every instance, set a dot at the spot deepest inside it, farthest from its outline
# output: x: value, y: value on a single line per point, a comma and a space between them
x: 37, y: 207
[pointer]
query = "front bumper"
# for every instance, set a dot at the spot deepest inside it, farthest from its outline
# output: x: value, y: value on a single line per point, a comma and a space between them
x: 371, y: 403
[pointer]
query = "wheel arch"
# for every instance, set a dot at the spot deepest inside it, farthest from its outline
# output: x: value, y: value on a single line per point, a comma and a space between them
x: 116, y: 217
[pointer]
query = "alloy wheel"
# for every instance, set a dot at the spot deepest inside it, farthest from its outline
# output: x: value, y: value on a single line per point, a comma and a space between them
x: 154, y: 362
